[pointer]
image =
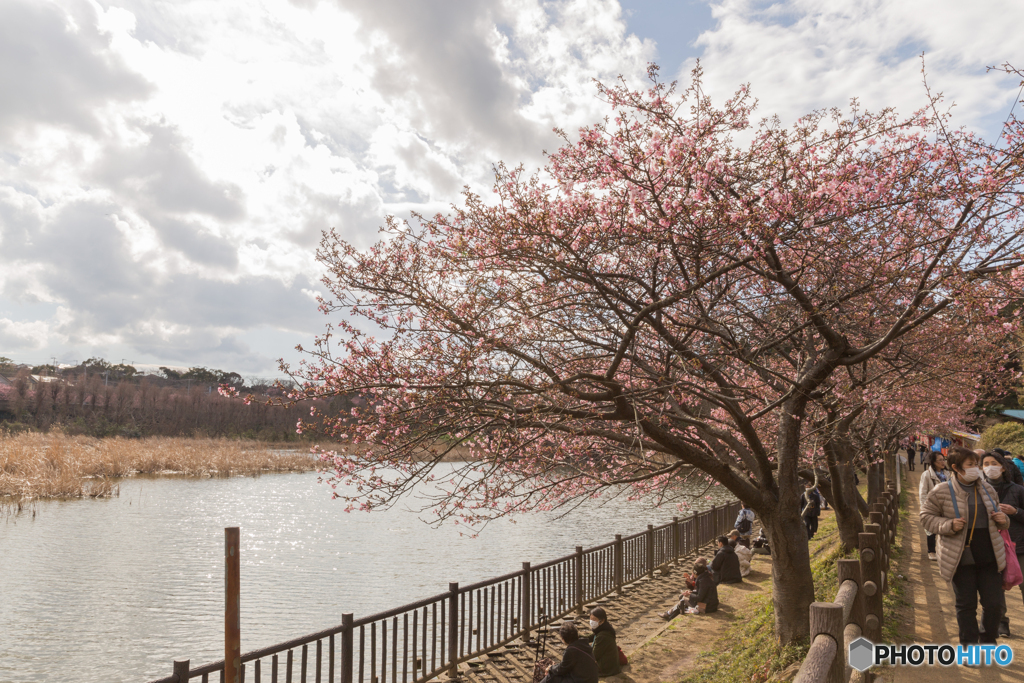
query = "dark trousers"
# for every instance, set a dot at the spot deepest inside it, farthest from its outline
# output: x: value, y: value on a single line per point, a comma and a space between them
x: 812, y: 526
x: 910, y: 463
x: 931, y: 542
x: 970, y: 583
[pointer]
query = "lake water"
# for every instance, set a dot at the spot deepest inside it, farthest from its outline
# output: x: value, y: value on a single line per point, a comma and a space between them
x: 115, y: 590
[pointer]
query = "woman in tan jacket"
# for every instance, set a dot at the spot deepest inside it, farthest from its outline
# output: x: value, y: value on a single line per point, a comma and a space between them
x: 964, y: 513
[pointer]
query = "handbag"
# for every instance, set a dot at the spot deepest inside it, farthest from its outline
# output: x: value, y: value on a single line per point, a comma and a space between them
x: 623, y: 661
x: 1012, y: 575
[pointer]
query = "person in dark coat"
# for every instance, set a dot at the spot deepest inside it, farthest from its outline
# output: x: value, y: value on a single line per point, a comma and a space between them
x: 998, y: 471
x: 703, y: 599
x: 578, y: 664
x: 911, y: 453
x: 1012, y: 473
x: 606, y: 650
x: 725, y: 568
x: 810, y: 509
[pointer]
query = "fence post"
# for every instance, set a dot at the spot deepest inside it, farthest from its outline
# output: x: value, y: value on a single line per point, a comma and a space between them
x: 617, y: 562
x: 827, y: 619
x: 181, y: 671
x: 675, y: 540
x: 579, y: 579
x: 849, y: 570
x: 524, y: 603
x: 232, y: 608
x: 649, y: 537
x: 871, y: 577
x: 346, y: 647
x: 453, y: 629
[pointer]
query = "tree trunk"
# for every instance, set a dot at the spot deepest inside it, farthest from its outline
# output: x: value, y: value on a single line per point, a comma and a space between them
x: 792, y: 581
x: 844, y: 502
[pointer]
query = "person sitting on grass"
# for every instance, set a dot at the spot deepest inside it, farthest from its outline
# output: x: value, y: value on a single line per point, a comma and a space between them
x: 744, y: 553
x: 578, y: 664
x: 726, y: 566
x: 606, y: 650
x: 703, y: 599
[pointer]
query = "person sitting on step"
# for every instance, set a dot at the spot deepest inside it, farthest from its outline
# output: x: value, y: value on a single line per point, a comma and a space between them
x: 606, y: 650
x: 726, y: 566
x: 702, y: 600
x: 744, y: 553
x: 578, y: 664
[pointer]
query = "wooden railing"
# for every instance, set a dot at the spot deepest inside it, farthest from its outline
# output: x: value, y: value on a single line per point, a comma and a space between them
x: 857, y: 609
x: 420, y: 641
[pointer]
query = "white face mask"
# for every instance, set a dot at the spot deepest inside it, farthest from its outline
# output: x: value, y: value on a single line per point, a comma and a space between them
x: 594, y: 624
x: 970, y: 474
x: 993, y: 471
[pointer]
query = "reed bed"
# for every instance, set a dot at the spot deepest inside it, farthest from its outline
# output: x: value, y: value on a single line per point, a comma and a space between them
x: 54, y: 465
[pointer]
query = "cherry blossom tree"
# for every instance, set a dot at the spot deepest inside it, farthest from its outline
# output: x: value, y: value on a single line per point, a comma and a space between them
x: 928, y: 381
x: 672, y: 297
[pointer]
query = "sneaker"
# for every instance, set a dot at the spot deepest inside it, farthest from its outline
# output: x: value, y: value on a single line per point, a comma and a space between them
x: 933, y: 557
x: 667, y: 616
x: 1004, y: 631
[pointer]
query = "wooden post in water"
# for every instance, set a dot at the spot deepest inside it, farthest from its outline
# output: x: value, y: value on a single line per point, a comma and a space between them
x: 232, y: 608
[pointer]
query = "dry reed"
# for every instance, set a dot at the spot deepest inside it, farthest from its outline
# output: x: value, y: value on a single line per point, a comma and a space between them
x: 54, y: 465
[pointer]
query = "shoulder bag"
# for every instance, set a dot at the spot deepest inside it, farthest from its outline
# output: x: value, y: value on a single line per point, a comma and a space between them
x: 1012, y: 575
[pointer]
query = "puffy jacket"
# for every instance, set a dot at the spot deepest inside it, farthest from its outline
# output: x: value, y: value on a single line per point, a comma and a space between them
x: 929, y: 480
x: 937, y: 515
x: 744, y: 554
x: 606, y: 650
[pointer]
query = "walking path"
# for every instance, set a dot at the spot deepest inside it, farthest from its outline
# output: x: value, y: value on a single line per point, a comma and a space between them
x: 930, y: 616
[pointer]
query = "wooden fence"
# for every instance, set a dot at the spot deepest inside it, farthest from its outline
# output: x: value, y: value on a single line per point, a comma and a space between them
x: 422, y: 640
x: 857, y: 609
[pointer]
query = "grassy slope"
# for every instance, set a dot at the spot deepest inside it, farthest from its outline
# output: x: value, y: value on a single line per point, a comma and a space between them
x: 749, y: 652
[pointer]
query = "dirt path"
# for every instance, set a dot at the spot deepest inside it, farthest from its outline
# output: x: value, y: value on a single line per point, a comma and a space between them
x: 930, y: 617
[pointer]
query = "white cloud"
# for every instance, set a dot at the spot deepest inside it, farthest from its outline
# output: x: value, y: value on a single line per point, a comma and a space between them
x: 801, y: 55
x: 167, y: 167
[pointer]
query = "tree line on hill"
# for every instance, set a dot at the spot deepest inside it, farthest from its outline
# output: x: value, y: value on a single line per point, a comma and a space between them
x: 100, y: 399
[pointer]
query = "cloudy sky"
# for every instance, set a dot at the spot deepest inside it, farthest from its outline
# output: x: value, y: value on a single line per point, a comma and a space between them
x: 167, y: 167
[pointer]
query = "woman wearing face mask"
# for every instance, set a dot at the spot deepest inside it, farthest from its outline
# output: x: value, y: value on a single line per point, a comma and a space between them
x: 606, y: 650
x: 1011, y: 502
x: 933, y: 475
x: 964, y: 513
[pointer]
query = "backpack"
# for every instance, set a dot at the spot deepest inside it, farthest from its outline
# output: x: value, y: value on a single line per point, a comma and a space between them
x: 744, y: 525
